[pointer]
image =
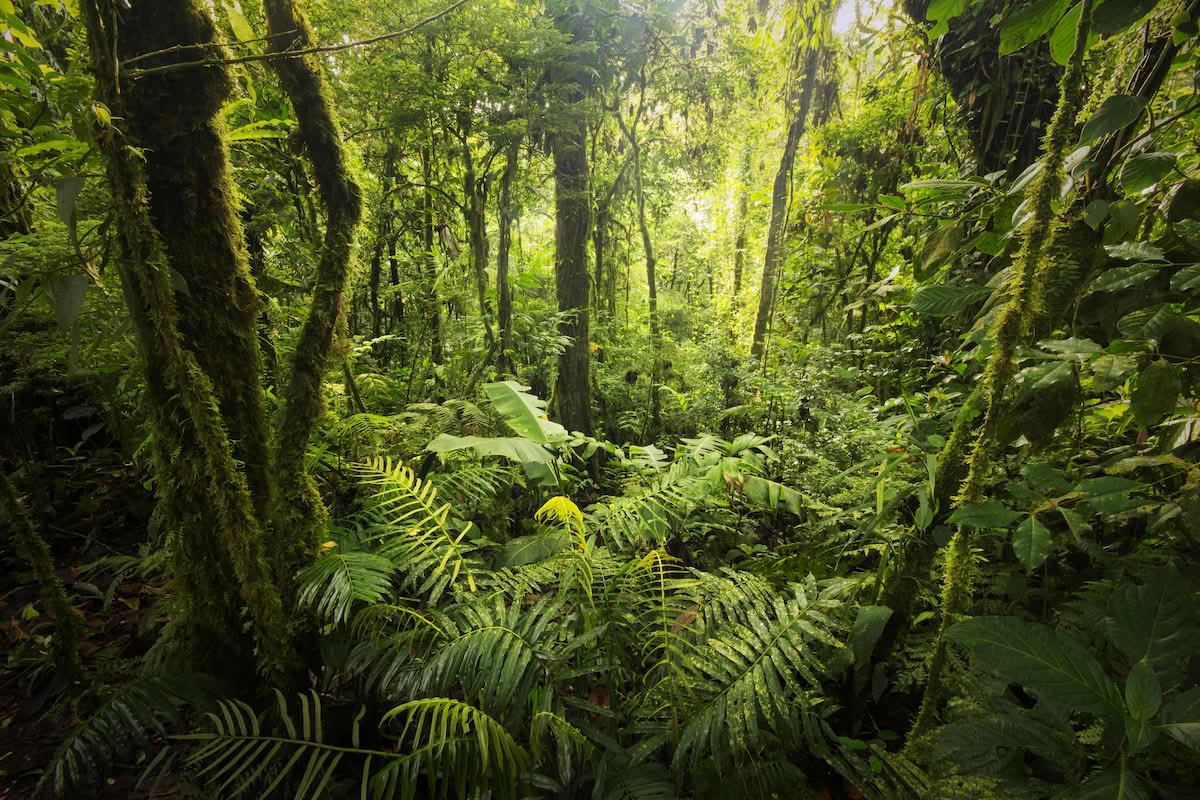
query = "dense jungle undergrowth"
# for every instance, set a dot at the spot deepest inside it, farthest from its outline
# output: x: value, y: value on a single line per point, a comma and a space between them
x: 599, y: 399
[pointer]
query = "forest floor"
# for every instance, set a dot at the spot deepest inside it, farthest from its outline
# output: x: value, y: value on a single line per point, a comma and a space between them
x: 36, y: 714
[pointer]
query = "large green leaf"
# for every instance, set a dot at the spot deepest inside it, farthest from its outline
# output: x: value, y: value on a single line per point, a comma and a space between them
x: 1143, y: 692
x: 1186, y: 279
x: 1109, y: 494
x: 1181, y: 718
x: 1115, y: 113
x: 524, y: 413
x: 1123, y: 277
x: 942, y: 301
x: 1156, y: 621
x: 1144, y: 170
x: 1029, y: 23
x: 941, y: 12
x: 1156, y: 391
x: 513, y: 448
x: 1136, y: 251
x: 1114, y: 16
x: 1031, y: 542
x: 1062, y: 41
x: 1040, y: 658
x: 1148, y: 323
x: 989, y: 514
x: 772, y: 495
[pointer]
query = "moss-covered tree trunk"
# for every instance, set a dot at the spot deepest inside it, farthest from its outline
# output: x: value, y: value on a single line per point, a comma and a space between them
x: 300, y: 513
x: 184, y: 273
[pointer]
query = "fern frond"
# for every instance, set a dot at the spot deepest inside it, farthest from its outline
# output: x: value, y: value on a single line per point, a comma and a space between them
x: 152, y: 704
x: 473, y: 485
x: 363, y: 425
x: 633, y: 522
x: 749, y: 676
x: 456, y: 742
x: 433, y: 557
x: 472, y: 418
x: 235, y: 755
x: 493, y: 656
x: 333, y: 583
x: 726, y: 597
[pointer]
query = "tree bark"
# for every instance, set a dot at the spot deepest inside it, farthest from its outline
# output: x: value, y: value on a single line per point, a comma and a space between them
x: 300, y: 515
x: 177, y: 228
x: 779, y: 198
x: 475, y: 191
x: 504, y: 362
x: 743, y: 211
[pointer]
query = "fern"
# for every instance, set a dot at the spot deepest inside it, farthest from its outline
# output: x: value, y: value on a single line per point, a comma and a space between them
x: 148, y: 706
x: 473, y: 485
x: 457, y: 746
x: 633, y: 522
x: 236, y: 756
x: 335, y: 581
x: 419, y: 540
x: 748, y: 677
x: 494, y: 654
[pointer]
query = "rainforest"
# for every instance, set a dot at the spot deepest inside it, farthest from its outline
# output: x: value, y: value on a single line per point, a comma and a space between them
x: 600, y: 399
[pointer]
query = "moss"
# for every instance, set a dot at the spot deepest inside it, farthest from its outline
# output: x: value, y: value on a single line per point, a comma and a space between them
x: 176, y: 218
x: 1026, y: 292
x: 300, y: 512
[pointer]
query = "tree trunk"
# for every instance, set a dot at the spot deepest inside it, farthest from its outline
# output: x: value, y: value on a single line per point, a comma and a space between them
x: 572, y: 216
x: 475, y: 190
x: 176, y: 225
x: 779, y: 198
x: 739, y: 247
x: 651, y: 286
x: 504, y: 362
x: 300, y: 516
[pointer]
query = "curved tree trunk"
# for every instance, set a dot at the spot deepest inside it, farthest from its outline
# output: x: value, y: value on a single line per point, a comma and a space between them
x: 177, y: 230
x: 300, y: 513
x: 779, y: 198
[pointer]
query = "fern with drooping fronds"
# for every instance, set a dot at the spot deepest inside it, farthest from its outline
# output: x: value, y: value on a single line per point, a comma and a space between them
x: 419, y: 539
x: 458, y: 746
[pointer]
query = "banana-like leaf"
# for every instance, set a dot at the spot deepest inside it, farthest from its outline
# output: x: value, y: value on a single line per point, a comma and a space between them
x: 522, y: 451
x: 524, y: 413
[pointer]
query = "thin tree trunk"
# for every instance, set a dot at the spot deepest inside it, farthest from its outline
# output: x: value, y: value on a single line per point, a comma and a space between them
x: 475, y: 191
x: 779, y: 198
x: 743, y: 211
x: 504, y: 362
x: 572, y: 218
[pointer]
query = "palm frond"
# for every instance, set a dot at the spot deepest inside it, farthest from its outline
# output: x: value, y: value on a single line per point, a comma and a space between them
x: 418, y: 538
x: 149, y: 705
x: 458, y: 747
x: 335, y: 581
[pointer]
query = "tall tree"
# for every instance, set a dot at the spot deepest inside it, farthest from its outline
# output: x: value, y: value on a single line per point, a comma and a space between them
x: 572, y: 77
x: 805, y: 32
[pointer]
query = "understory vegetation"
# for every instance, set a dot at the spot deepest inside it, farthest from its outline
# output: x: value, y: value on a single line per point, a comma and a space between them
x: 595, y: 399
